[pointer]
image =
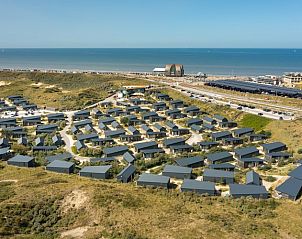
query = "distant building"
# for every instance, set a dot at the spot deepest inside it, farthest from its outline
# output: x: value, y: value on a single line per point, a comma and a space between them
x: 292, y: 78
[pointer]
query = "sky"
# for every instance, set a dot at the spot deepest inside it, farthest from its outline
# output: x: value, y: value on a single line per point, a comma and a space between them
x: 150, y: 23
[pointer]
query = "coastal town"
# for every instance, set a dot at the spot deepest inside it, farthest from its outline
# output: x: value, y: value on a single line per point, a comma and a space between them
x: 143, y: 136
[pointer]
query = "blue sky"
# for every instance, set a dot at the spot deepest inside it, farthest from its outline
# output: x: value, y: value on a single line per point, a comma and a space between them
x: 151, y: 23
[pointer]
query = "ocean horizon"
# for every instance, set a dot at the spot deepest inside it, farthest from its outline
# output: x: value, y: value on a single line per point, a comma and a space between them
x: 213, y: 61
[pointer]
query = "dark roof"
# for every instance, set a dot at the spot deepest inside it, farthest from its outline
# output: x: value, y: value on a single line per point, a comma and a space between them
x: 82, y: 112
x: 194, y: 121
x: 153, y: 178
x: 221, y: 166
x: 21, y: 159
x: 109, y: 133
x: 218, y: 156
x: 146, y: 128
x: 63, y: 156
x: 197, y: 185
x: 129, y: 157
x: 127, y: 171
x: 171, y: 125
x: 95, y: 169
x: 144, y: 145
x: 115, y: 149
x: 246, y: 151
x: 153, y: 151
x: 191, y: 108
x: 171, y: 141
x: 256, y: 87
x: 220, y: 117
x: 292, y: 187
x: 4, y: 150
x: 189, y: 161
x: 79, y: 145
x: 60, y: 164
x: 252, y: 178
x: 246, y: 190
x: 279, y: 154
x: 182, y: 146
x: 176, y: 169
x: 206, y: 143
x: 243, y: 131
x: 221, y: 134
x: 218, y: 173
x: 82, y: 137
x: 82, y: 123
x: 271, y: 146
x: 296, y: 173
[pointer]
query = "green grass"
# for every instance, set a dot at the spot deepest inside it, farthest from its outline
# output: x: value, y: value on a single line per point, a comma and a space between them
x: 256, y: 122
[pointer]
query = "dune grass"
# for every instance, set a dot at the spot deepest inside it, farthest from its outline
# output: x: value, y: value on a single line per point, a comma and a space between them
x: 33, y: 209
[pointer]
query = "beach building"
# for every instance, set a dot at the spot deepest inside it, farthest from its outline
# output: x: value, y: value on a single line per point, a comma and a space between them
x: 200, y: 187
x: 153, y: 180
x: 97, y: 172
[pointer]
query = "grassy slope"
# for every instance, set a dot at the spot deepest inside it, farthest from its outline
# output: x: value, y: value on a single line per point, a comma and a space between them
x: 115, y: 210
x: 69, y: 91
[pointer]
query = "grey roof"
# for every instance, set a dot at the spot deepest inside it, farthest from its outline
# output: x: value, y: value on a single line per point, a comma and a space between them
x: 82, y: 112
x: 4, y: 150
x: 22, y: 140
x: 219, y: 117
x: 252, y: 178
x: 107, y: 120
x: 171, y: 141
x: 45, y: 147
x: 246, y: 190
x: 171, y: 125
x: 246, y: 151
x: 21, y: 159
x: 115, y: 149
x: 144, y: 145
x: 153, y: 178
x: 132, y: 129
x: 55, y: 115
x: 159, y: 127
x: 296, y: 173
x: 109, y: 133
x: 79, y: 145
x: 208, y: 119
x: 146, y: 128
x: 149, y: 114
x: 196, y: 127
x: 191, y: 108
x: 115, y: 124
x: 182, y: 146
x: 60, y: 164
x: 159, y: 104
x: 152, y: 151
x: 95, y: 169
x: 83, y: 123
x: 189, y: 161
x: 292, y: 187
x: 176, y: 169
x: 218, y: 173
x: 129, y: 157
x: 47, y: 127
x: 221, y: 134
x: 221, y: 166
x: 127, y: 171
x: 271, y: 146
x: 194, y: 121
x: 82, y: 137
x: 243, y: 131
x: 197, y: 185
x: 63, y: 156
x: 208, y: 126
x: 218, y: 156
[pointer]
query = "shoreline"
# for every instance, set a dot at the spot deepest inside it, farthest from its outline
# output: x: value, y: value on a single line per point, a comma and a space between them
x: 95, y: 72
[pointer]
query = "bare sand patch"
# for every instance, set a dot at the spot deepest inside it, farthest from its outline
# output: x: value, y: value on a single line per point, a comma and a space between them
x: 75, y: 233
x: 4, y: 83
x: 75, y: 200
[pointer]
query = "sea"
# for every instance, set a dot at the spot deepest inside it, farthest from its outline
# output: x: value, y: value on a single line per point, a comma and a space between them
x: 212, y: 61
